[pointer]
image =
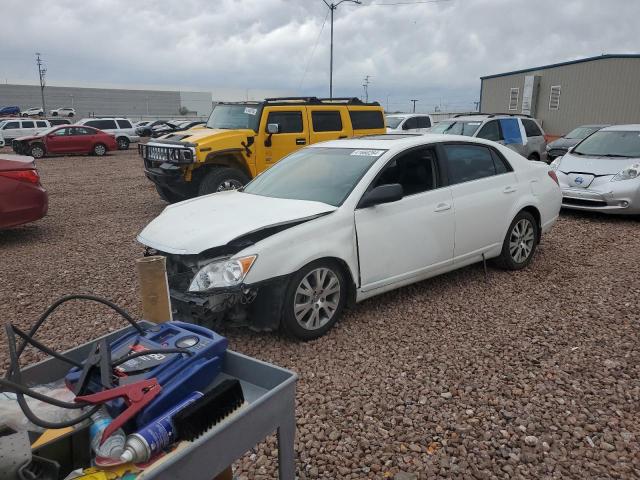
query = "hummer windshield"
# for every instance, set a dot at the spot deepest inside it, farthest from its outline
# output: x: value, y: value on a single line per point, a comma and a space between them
x: 235, y: 116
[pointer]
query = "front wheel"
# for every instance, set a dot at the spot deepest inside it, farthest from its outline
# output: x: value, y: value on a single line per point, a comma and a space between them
x: 168, y: 195
x: 221, y: 179
x: 520, y: 242
x: 123, y: 143
x: 314, y: 300
x: 36, y: 151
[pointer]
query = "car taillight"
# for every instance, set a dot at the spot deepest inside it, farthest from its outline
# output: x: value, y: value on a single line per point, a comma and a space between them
x: 553, y: 176
x: 28, y: 176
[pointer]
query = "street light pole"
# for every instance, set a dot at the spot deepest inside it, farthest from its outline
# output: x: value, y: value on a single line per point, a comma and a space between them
x: 41, y: 73
x: 414, y: 105
x: 332, y: 6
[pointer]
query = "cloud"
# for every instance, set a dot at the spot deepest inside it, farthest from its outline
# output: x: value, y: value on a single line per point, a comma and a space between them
x: 434, y: 52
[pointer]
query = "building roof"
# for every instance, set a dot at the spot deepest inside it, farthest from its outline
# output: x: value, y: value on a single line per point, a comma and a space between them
x: 562, y: 64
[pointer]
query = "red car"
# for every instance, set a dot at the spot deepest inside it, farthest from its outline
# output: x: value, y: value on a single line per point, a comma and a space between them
x: 65, y: 139
x: 22, y: 198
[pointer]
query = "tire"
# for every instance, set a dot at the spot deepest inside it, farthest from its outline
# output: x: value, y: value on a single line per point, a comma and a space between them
x: 220, y: 179
x: 322, y: 308
x: 99, y: 150
x: 534, y: 157
x: 123, y: 143
x: 70, y: 115
x: 168, y: 195
x: 37, y: 150
x: 54, y: 114
x: 520, y: 243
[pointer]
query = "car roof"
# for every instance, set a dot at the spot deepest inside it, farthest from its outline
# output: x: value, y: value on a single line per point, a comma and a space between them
x: 632, y: 127
x: 406, y: 115
x: 397, y: 142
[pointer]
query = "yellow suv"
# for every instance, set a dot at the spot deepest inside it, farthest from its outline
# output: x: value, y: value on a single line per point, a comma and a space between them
x: 242, y: 139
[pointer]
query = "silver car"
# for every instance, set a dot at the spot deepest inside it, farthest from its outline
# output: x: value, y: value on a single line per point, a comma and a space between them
x: 602, y: 172
x: 520, y: 133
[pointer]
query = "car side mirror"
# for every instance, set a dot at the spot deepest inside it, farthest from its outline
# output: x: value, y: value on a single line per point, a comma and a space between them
x: 273, y: 128
x: 391, y: 192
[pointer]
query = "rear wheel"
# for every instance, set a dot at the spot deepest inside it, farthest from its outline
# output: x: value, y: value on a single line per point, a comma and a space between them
x: 37, y: 150
x: 168, y: 195
x: 70, y: 115
x: 221, y: 179
x: 520, y: 243
x: 54, y: 114
x: 99, y: 150
x: 534, y: 157
x: 314, y: 301
x: 123, y: 143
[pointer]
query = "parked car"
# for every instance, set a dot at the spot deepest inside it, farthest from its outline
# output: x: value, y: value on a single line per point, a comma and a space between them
x: 20, y: 127
x: 33, y: 112
x: 559, y: 147
x: 408, y: 122
x: 520, y: 133
x: 22, y: 197
x: 146, y: 130
x: 121, y: 128
x: 63, y: 112
x: 243, y: 139
x: 59, y: 121
x: 9, y: 111
x: 65, y: 140
x: 283, y: 251
x: 173, y: 126
x: 602, y: 172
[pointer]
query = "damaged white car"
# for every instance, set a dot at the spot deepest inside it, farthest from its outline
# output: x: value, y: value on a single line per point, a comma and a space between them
x: 341, y: 221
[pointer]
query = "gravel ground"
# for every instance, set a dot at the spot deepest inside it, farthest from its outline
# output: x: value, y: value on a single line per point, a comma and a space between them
x: 532, y: 374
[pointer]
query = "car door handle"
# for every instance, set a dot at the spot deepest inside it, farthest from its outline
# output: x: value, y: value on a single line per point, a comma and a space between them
x: 441, y: 207
x: 301, y: 141
x: 509, y: 189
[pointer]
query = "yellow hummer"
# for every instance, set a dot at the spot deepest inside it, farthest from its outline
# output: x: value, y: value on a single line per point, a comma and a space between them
x: 242, y: 139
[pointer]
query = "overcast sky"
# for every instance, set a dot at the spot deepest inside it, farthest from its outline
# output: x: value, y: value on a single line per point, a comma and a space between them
x: 434, y: 52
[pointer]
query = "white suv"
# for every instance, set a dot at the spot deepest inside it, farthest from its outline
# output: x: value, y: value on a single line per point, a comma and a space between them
x: 20, y: 127
x: 63, y: 112
x: 121, y: 128
x: 408, y: 122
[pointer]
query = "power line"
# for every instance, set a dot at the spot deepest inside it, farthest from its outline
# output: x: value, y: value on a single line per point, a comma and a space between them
x: 405, y: 3
x: 313, y: 51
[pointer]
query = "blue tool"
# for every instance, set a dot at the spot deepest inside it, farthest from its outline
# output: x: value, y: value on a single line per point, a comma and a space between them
x: 179, y: 374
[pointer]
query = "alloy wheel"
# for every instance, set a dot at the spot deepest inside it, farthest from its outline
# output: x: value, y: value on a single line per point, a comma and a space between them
x: 317, y: 298
x: 229, y: 185
x: 100, y: 150
x: 37, y: 152
x: 521, y: 241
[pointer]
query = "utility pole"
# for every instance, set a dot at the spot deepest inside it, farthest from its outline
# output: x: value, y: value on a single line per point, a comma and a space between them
x: 332, y: 6
x: 365, y: 85
x: 41, y: 73
x: 414, y: 104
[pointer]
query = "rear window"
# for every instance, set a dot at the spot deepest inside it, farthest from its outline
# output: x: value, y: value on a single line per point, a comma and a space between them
x: 41, y: 124
x: 531, y: 128
x: 326, y: 121
x: 424, y: 122
x: 27, y: 124
x: 366, y: 119
x: 102, y: 124
x: 124, y: 124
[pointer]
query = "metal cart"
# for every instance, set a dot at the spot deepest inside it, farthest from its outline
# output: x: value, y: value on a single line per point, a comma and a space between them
x: 269, y: 392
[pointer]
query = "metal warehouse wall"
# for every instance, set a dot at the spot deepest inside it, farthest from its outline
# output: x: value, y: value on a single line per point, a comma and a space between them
x: 598, y: 91
x: 103, y: 101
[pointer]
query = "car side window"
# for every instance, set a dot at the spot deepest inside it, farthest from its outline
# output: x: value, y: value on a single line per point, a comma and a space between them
x: 11, y: 125
x: 62, y: 132
x: 468, y: 162
x: 490, y: 131
x: 41, y: 124
x: 531, y: 128
x: 81, y: 131
x: 424, y: 122
x: 501, y: 164
x: 410, y: 123
x: 290, y: 122
x: 416, y: 171
x: 326, y: 121
x: 124, y: 124
x: 28, y: 124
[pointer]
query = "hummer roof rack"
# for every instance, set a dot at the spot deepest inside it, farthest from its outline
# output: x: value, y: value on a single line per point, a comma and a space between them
x: 492, y: 115
x: 318, y: 101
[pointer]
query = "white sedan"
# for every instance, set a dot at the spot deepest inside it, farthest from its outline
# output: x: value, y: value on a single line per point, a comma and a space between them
x: 342, y: 221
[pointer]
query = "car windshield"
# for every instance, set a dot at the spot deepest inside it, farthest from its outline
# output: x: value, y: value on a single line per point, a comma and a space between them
x: 237, y: 116
x: 393, y: 122
x: 326, y: 175
x: 456, y: 128
x: 581, y: 132
x: 611, y: 144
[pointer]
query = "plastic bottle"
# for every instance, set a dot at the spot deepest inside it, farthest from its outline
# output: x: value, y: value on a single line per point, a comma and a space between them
x: 114, y: 445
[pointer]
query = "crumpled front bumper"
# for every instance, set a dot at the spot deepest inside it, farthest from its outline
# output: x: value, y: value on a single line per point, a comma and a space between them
x: 602, y: 195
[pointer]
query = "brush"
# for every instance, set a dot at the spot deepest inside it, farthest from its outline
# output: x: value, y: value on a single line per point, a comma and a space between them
x: 197, y: 417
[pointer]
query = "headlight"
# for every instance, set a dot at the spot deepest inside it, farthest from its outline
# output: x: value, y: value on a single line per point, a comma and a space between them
x: 555, y: 164
x: 225, y: 273
x: 628, y: 173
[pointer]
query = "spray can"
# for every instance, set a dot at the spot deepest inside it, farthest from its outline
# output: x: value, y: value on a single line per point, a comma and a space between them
x: 155, y: 436
x: 114, y: 445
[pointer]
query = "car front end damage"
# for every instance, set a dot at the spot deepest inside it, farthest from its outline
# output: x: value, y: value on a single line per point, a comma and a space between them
x: 257, y: 306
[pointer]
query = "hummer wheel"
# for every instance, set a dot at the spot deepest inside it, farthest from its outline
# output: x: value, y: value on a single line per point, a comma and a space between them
x: 221, y: 179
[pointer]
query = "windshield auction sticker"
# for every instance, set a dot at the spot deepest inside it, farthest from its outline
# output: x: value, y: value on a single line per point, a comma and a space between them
x: 367, y: 153
x: 250, y: 111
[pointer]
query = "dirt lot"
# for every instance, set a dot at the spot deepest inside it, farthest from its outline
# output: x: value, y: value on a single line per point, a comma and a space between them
x: 534, y: 374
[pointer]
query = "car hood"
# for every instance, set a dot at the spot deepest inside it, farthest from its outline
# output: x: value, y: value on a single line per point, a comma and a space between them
x: 564, y: 142
x: 28, y: 137
x: 594, y: 165
x: 216, y: 139
x: 195, y: 225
